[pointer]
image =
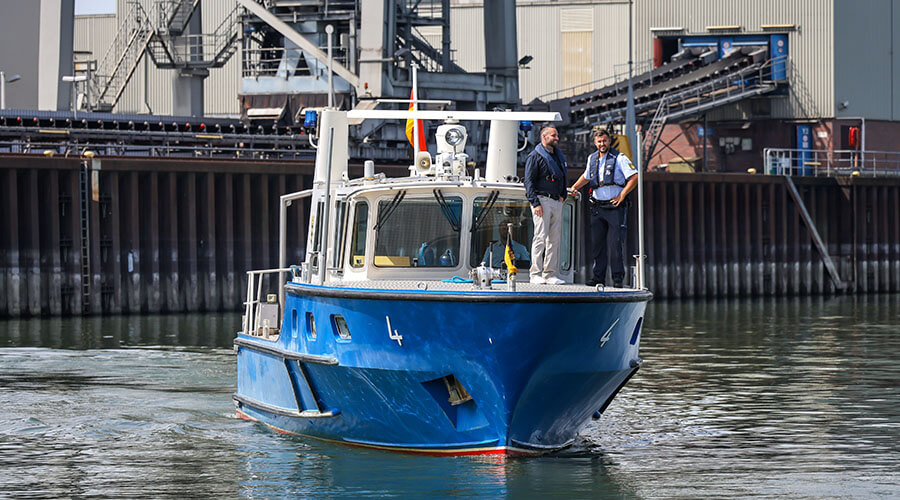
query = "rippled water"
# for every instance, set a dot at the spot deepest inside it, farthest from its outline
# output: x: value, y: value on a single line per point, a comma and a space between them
x: 763, y: 398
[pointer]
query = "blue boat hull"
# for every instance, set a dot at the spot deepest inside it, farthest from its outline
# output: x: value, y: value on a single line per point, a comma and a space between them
x: 533, y: 368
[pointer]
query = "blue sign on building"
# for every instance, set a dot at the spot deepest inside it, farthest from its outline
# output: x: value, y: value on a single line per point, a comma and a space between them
x: 804, y: 143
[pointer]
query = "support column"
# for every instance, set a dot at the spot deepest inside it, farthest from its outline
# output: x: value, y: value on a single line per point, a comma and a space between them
x: 664, y: 265
x: 113, y: 281
x: 247, y: 237
x: 677, y: 276
x: 55, y: 274
x: 264, y: 245
x: 13, y: 277
x: 208, y: 242
x: 133, y: 245
x: 701, y: 225
x: 169, y: 253
x: 230, y: 299
x: 154, y: 293
x: 32, y: 253
x: 189, y: 232
x: 93, y: 237
x: 187, y: 96
x: 689, y: 268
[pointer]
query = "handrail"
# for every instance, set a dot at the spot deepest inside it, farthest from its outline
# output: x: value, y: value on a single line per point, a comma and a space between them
x: 831, y: 163
x: 251, y: 323
x: 213, y: 149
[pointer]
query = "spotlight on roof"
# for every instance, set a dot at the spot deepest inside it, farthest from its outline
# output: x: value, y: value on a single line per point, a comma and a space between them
x: 525, y: 60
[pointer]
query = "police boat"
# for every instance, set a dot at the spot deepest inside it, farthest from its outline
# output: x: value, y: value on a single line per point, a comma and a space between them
x: 398, y: 331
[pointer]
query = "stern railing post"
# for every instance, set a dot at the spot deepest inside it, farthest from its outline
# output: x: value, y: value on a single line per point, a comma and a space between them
x: 640, y: 189
x: 323, y: 238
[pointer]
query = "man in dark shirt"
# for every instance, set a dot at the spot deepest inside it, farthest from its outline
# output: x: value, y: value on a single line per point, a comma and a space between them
x: 545, y: 188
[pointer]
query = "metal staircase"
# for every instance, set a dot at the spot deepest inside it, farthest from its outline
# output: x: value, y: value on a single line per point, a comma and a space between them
x: 161, y: 34
x: 122, y: 57
x: 176, y: 14
x: 654, y: 131
x: 194, y: 52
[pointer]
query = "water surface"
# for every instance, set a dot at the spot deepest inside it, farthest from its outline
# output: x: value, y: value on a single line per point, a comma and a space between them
x: 764, y: 397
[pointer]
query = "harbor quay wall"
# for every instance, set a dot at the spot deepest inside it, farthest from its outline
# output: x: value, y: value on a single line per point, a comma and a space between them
x: 731, y: 235
x: 118, y: 235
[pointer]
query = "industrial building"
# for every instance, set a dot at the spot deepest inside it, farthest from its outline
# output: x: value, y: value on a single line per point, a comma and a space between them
x: 140, y: 152
x: 825, y: 76
x: 841, y: 67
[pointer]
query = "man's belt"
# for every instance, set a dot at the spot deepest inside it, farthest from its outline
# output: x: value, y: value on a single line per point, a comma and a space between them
x: 541, y: 193
x: 602, y: 203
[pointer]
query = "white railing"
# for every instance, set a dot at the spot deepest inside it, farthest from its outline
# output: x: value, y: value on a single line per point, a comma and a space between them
x: 830, y: 163
x: 262, y: 318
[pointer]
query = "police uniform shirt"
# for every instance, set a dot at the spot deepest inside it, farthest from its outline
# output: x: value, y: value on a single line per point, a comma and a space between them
x: 624, y: 171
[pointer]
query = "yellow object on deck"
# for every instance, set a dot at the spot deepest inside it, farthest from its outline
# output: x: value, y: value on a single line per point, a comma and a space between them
x: 392, y: 261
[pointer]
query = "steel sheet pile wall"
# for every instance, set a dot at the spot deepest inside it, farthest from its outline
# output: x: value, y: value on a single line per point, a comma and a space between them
x: 170, y: 235
x: 161, y: 236
x: 713, y: 235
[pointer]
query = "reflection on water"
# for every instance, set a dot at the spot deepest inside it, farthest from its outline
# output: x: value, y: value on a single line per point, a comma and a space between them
x: 112, y: 332
x: 762, y: 397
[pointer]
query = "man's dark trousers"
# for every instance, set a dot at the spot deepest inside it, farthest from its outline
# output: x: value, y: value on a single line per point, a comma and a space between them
x: 608, y: 226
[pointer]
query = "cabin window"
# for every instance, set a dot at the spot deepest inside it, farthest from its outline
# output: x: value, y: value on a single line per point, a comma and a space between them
x: 341, y: 220
x: 358, y: 237
x: 320, y: 212
x: 489, y: 231
x: 418, y: 232
x: 310, y: 326
x: 339, y: 324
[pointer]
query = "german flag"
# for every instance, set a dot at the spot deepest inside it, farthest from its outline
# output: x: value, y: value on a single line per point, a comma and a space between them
x: 410, y: 126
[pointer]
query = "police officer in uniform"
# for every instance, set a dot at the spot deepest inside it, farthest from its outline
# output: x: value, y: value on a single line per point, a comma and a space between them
x: 545, y: 188
x: 611, y: 177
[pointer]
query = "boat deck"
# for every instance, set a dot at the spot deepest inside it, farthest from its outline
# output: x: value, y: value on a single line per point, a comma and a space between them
x: 443, y: 290
x: 467, y: 286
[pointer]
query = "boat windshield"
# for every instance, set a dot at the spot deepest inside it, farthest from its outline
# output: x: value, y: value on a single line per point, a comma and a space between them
x: 489, y: 237
x: 418, y: 232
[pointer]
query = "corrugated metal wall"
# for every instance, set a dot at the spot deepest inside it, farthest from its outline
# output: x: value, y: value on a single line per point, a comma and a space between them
x: 539, y: 35
x: 96, y: 33
x: 868, y: 59
x: 539, y: 25
x: 811, y: 46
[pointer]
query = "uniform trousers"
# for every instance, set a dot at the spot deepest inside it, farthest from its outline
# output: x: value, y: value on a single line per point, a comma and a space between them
x: 608, y: 226
x: 546, y: 245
